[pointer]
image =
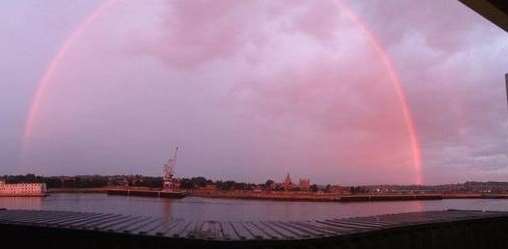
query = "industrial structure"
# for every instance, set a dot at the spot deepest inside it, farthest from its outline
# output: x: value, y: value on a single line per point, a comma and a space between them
x: 170, y: 185
x: 169, y: 182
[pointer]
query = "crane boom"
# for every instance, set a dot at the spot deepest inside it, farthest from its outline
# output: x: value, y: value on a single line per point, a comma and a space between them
x: 169, y: 182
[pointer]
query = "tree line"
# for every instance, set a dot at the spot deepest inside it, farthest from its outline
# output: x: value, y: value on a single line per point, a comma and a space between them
x: 98, y: 181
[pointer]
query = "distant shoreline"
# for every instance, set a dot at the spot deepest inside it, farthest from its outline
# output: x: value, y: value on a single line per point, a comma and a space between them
x: 301, y: 196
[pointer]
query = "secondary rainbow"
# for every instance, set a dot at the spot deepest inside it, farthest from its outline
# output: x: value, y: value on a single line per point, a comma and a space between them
x: 45, y: 81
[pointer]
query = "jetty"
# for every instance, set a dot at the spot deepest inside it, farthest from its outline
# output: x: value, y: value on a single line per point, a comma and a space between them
x: 431, y: 229
x: 314, y: 197
x: 148, y: 193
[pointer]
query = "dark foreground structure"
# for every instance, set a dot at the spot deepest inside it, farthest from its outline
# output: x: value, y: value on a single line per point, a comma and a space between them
x: 494, y: 10
x: 435, y: 229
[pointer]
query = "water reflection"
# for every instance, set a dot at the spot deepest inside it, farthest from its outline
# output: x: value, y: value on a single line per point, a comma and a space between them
x: 166, y: 209
x: 217, y: 209
x: 21, y: 202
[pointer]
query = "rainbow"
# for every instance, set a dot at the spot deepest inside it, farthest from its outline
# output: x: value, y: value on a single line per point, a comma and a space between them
x: 45, y: 81
x: 397, y: 85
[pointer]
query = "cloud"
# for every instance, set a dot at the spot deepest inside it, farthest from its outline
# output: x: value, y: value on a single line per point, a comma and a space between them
x: 253, y: 89
x: 305, y: 68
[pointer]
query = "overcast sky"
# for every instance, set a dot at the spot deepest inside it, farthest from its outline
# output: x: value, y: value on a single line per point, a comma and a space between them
x: 252, y: 90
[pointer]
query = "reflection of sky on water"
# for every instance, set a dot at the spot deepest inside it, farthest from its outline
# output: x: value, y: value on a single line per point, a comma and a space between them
x: 222, y: 209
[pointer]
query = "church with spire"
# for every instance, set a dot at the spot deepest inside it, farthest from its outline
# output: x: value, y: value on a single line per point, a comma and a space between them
x: 302, y: 185
x: 287, y: 184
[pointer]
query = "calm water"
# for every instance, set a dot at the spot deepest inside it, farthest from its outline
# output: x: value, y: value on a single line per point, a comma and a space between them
x: 217, y: 209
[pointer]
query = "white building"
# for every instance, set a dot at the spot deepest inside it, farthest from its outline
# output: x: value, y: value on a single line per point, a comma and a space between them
x: 22, y: 189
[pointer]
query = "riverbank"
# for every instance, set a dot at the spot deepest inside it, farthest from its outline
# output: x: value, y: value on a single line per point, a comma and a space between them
x: 475, y: 196
x: 78, y: 190
x: 295, y: 196
x: 148, y: 193
x: 314, y: 197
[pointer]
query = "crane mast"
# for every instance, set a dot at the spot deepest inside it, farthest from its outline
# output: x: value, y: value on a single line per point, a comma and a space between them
x: 169, y: 181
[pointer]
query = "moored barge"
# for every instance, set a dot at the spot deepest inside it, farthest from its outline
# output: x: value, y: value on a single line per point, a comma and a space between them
x: 22, y: 189
x: 148, y: 193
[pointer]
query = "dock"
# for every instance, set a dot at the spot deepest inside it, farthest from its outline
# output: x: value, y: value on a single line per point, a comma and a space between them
x: 315, y: 197
x: 147, y: 193
x: 432, y: 229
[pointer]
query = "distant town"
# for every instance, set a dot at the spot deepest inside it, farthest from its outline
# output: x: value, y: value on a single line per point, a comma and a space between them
x: 285, y: 189
x: 202, y: 184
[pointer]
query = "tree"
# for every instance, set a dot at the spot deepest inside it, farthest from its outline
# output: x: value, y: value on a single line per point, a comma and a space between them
x: 199, y: 181
x: 269, y: 184
x: 186, y: 183
x: 328, y: 188
x: 314, y: 188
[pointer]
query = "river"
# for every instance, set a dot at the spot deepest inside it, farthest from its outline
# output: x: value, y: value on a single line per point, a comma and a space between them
x: 237, y: 210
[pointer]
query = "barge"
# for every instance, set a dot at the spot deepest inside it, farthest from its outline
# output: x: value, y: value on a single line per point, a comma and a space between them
x: 23, y: 189
x: 148, y: 193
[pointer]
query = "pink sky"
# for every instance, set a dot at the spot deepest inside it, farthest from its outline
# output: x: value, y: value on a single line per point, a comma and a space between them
x: 252, y: 90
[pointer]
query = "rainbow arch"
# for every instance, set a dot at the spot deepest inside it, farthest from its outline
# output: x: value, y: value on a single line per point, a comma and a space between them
x: 45, y: 80
x: 397, y: 85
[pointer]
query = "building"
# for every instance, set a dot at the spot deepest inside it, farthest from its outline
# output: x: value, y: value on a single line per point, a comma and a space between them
x: 304, y: 184
x: 287, y: 184
x: 338, y: 189
x: 22, y: 189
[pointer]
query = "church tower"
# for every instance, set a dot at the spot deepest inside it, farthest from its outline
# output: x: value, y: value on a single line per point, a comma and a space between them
x: 287, y: 184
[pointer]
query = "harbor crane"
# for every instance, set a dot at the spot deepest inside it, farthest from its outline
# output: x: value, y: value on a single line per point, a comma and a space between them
x: 169, y: 181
